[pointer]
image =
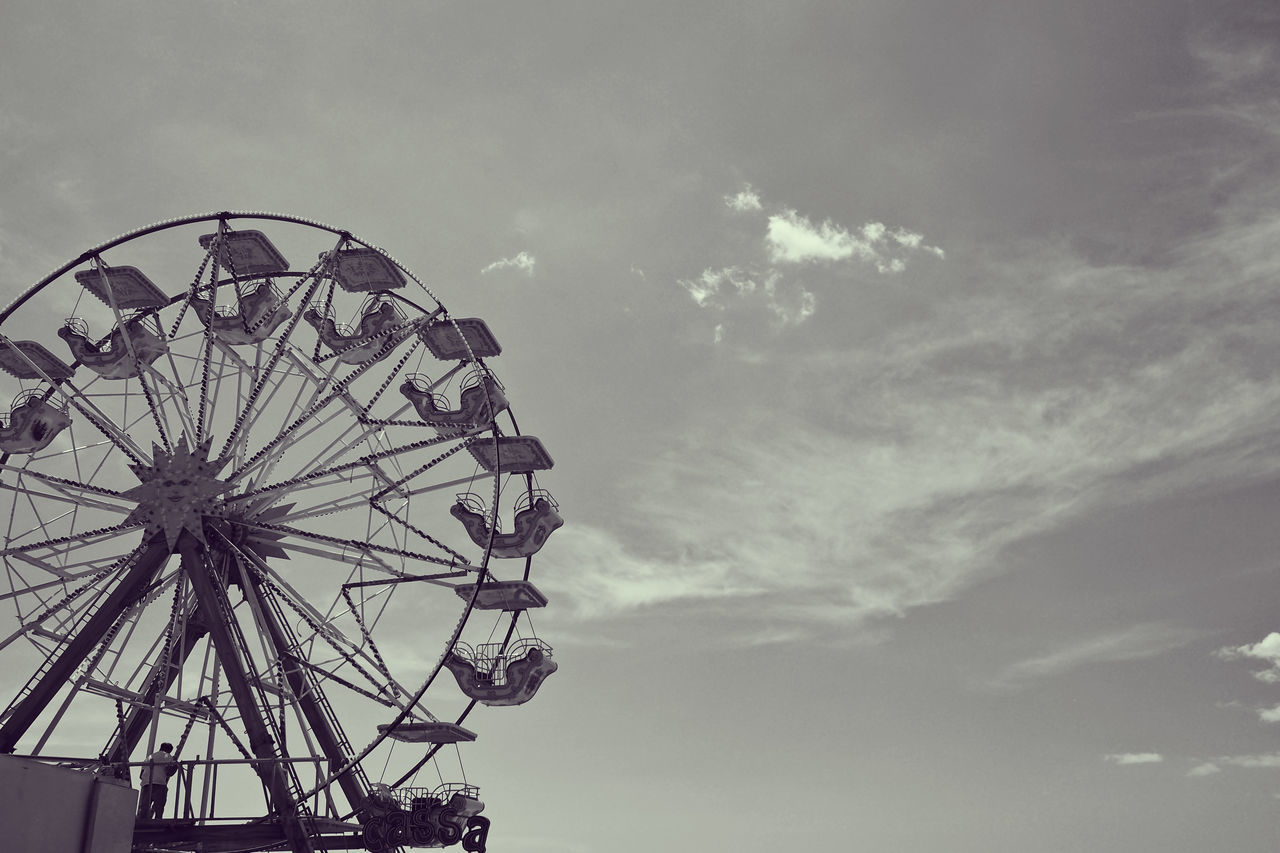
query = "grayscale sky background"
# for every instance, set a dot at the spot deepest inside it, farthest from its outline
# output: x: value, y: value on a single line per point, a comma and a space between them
x: 909, y: 367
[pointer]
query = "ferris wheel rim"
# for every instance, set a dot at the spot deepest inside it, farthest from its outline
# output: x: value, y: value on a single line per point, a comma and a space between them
x: 192, y: 219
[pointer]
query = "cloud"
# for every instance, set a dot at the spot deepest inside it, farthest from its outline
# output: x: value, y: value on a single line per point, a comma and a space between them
x: 1266, y: 649
x: 793, y: 239
x: 609, y: 576
x: 1206, y: 769
x: 766, y: 282
x: 523, y: 262
x: 739, y: 291
x: 885, y: 470
x: 1262, y: 761
x: 745, y: 200
x: 1124, y: 758
x: 1134, y: 643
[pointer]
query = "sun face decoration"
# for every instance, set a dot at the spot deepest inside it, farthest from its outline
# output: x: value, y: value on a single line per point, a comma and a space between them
x: 178, y: 491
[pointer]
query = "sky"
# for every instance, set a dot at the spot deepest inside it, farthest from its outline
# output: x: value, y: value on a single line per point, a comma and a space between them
x: 908, y: 368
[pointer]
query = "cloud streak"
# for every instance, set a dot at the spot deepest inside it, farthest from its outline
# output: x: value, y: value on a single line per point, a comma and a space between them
x: 522, y: 262
x: 1127, y: 758
x: 1135, y: 643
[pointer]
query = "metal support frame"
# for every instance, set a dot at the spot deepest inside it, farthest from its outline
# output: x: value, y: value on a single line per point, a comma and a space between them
x: 212, y: 604
x: 139, y: 576
x: 307, y: 695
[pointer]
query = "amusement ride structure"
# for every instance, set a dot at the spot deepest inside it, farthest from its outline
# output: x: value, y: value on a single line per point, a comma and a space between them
x: 279, y: 515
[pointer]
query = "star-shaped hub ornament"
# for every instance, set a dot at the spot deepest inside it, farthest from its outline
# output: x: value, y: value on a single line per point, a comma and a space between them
x: 179, y: 490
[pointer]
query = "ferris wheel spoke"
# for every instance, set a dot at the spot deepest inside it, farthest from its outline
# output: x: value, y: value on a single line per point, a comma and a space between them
x: 264, y: 376
x: 287, y: 433
x: 239, y: 449
x: 323, y: 627
x: 142, y: 565
x: 61, y: 483
x: 266, y: 460
x: 384, y: 689
x: 321, y: 477
x: 395, y: 486
x: 72, y: 542
x: 419, y: 532
x: 35, y: 623
x: 80, y: 500
x: 101, y: 421
x: 367, y: 548
x: 177, y: 391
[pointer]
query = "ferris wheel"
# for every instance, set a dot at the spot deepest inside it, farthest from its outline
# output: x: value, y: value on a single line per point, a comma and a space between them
x: 264, y: 498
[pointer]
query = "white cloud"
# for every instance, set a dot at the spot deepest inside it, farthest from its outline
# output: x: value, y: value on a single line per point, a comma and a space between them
x: 792, y: 238
x: 1123, y: 758
x: 744, y: 201
x: 1269, y: 715
x: 1267, y: 649
x: 1206, y: 769
x: 524, y: 262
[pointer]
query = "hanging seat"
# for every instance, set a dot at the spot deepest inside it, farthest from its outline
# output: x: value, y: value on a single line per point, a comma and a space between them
x: 115, y: 360
x: 370, y: 341
x: 509, y: 678
x: 480, y: 401
x: 32, y: 424
x: 536, y: 518
x: 256, y: 318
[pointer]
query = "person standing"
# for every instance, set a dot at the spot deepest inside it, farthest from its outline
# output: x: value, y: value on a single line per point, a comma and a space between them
x: 155, y: 782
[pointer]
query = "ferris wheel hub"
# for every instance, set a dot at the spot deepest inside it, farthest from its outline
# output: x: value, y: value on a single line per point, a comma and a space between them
x: 179, y: 489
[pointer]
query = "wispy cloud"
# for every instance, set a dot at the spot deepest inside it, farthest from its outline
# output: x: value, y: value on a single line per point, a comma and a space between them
x: 733, y: 289
x: 1124, y: 758
x: 768, y: 279
x: 1262, y: 761
x: 1134, y: 643
x: 523, y: 262
x: 892, y: 471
